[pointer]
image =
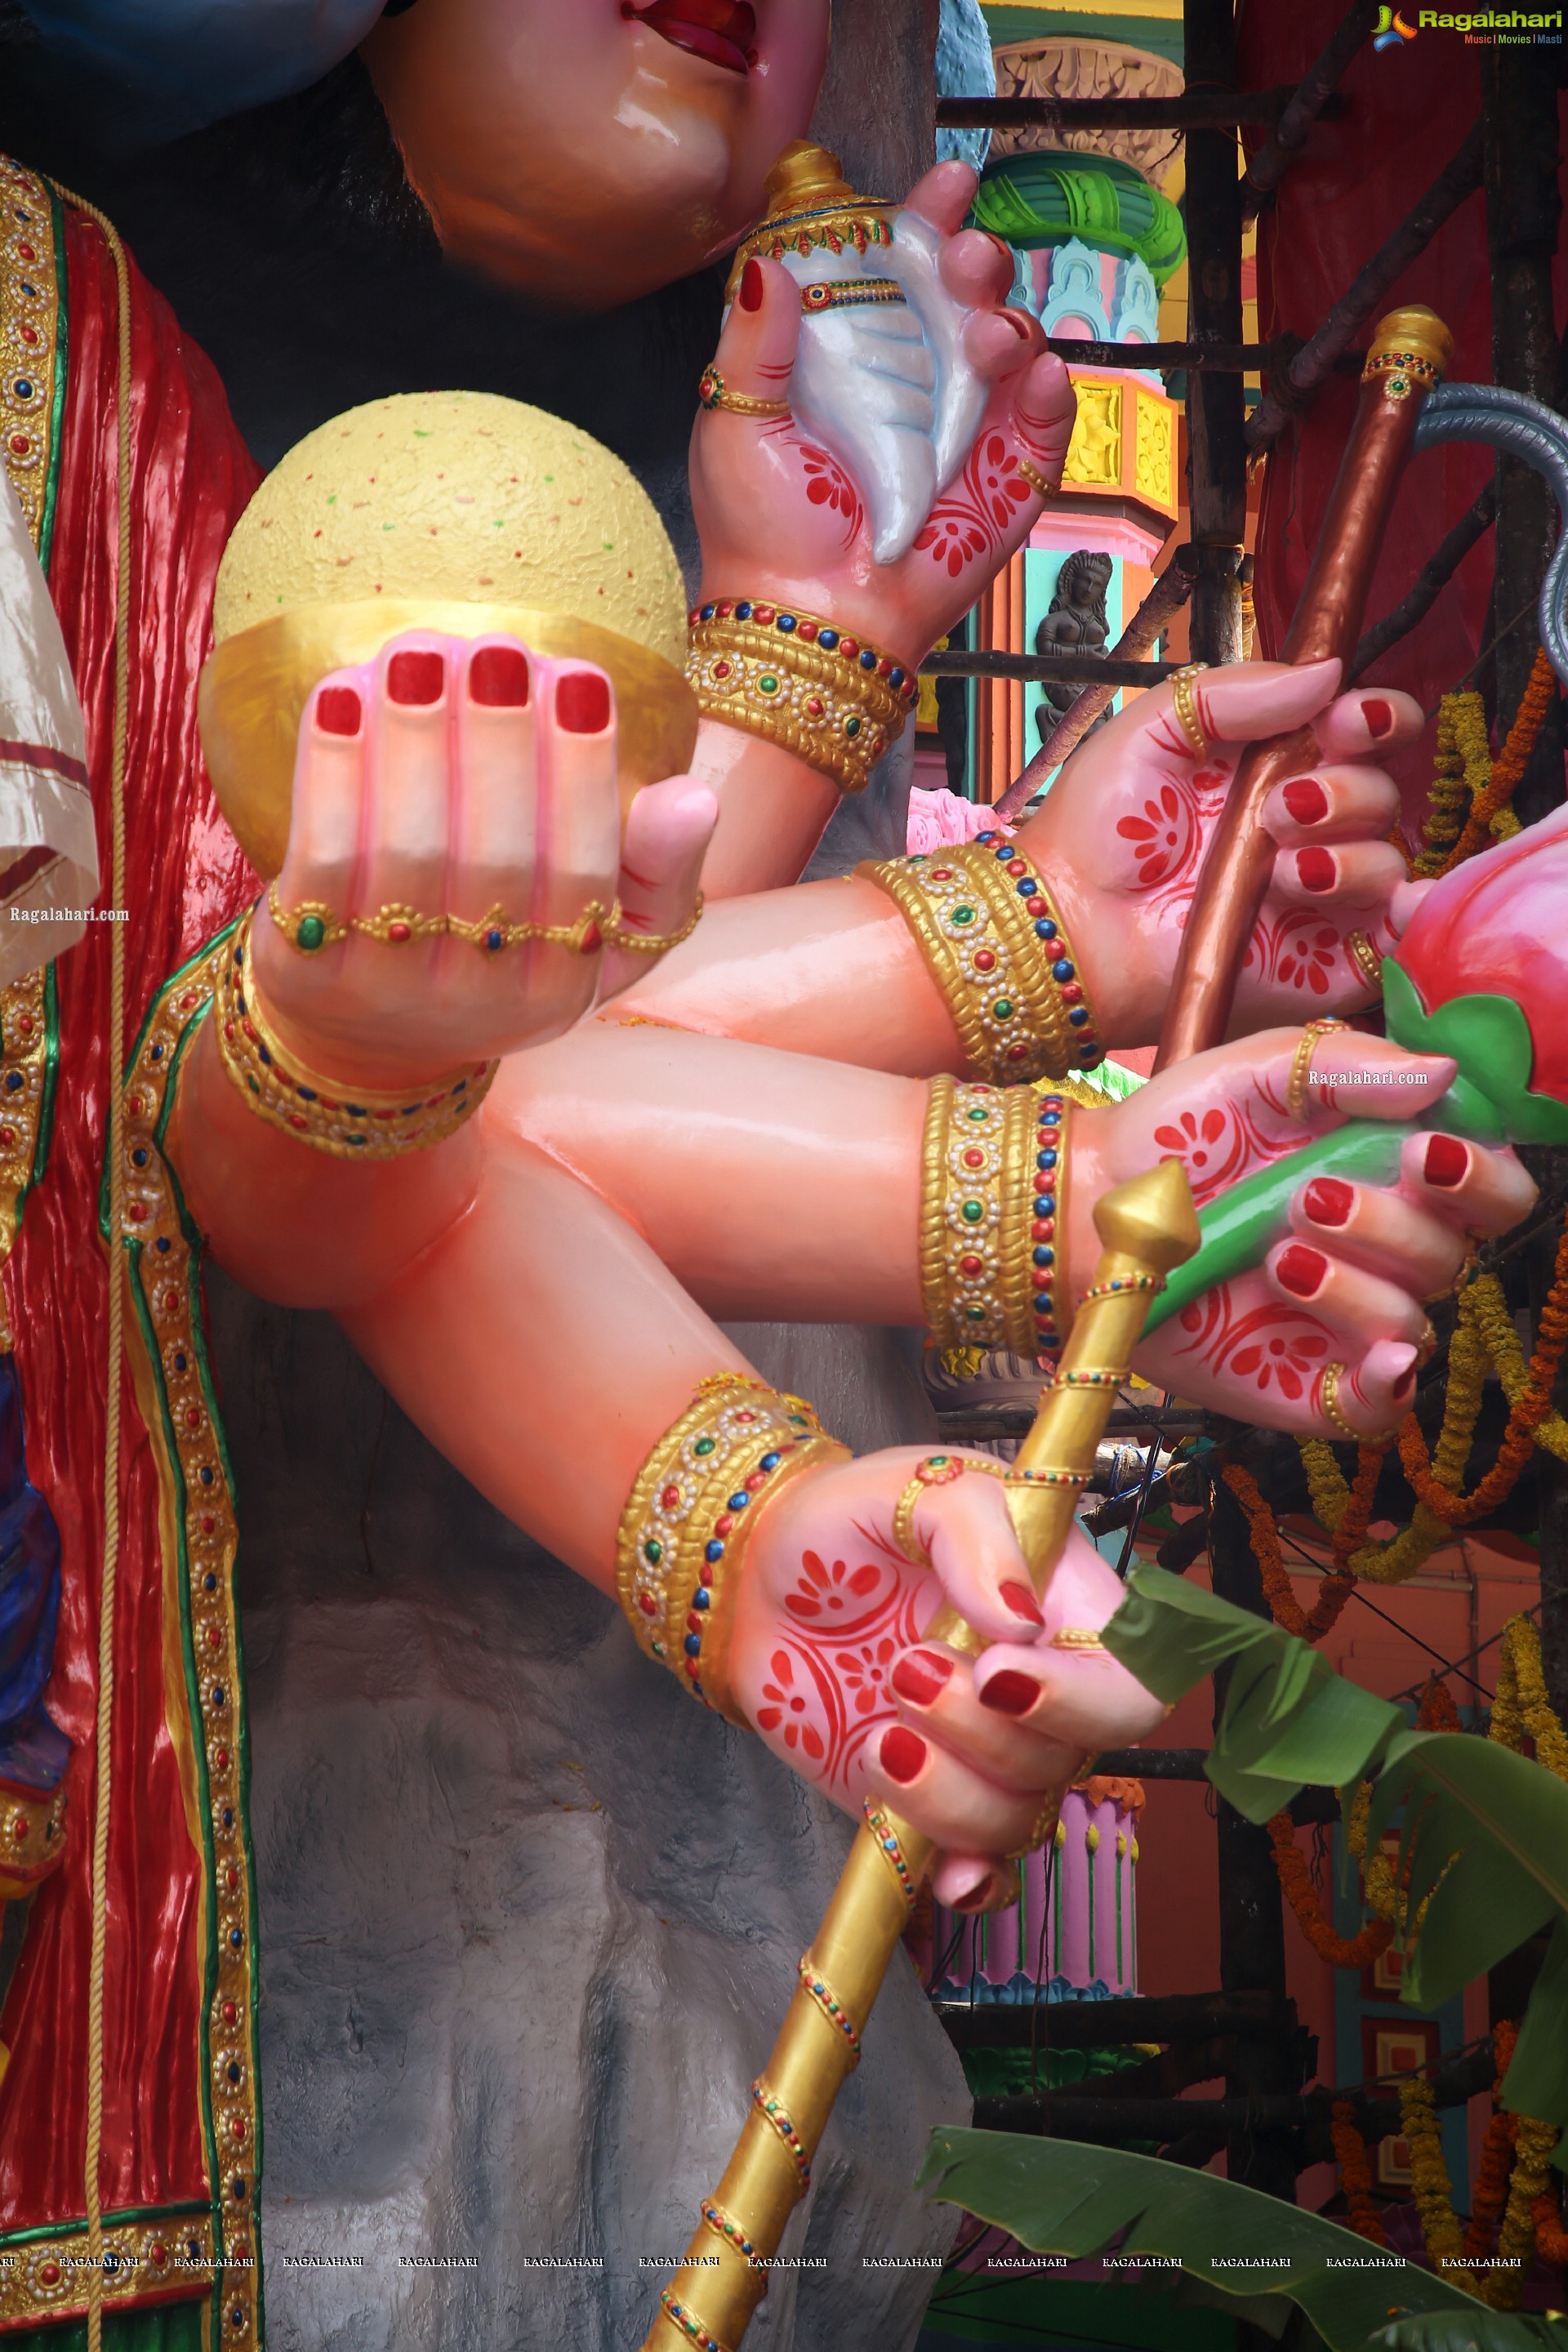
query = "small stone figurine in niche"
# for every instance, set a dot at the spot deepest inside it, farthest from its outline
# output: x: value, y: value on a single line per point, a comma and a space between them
x: 1077, y: 623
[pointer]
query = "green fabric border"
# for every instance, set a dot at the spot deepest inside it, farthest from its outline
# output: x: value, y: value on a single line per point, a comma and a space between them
x: 40, y: 2230
x: 156, y: 2328
x: 135, y: 1253
x: 58, y: 390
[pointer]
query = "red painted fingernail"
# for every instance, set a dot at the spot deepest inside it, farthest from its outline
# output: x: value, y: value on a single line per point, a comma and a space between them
x: 418, y: 678
x: 920, y: 1677
x: 497, y: 677
x: 1009, y: 1693
x: 903, y: 1755
x: 1302, y: 1270
x: 1328, y: 1201
x: 977, y: 1897
x: 754, y: 285
x: 1447, y: 1161
x: 1315, y: 869
x: 1306, y: 799
x: 338, y: 710
x: 582, y: 702
x: 1022, y: 1602
x: 1379, y: 716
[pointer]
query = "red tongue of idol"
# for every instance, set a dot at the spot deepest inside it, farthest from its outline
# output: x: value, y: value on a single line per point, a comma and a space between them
x: 723, y: 31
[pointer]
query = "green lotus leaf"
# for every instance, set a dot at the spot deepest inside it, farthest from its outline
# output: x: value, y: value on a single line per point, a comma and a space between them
x: 1489, y: 1038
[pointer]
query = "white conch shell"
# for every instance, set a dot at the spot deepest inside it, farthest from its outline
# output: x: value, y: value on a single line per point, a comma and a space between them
x: 44, y: 801
x: 887, y: 388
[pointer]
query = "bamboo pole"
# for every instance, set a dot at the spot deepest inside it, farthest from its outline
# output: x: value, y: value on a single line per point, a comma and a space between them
x: 1145, y: 1228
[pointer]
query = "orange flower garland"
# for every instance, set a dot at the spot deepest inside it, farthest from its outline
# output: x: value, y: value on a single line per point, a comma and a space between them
x: 1497, y: 2155
x: 1551, y: 2237
x: 1355, y: 2176
x: 1339, y: 1583
x: 1509, y: 767
x: 1356, y: 1951
x: 1524, y: 1416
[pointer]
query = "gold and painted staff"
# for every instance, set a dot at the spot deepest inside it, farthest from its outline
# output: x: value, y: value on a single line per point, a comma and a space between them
x: 1145, y: 1227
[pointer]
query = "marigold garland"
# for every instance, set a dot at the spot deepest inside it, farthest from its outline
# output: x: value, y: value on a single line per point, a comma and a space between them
x: 1355, y: 2174
x: 1429, y: 2181
x: 1551, y: 2238
x: 1336, y: 1587
x: 1465, y: 770
x: 1525, y: 1415
x: 1520, y: 1704
x: 1495, y: 1325
x: 1357, y: 1951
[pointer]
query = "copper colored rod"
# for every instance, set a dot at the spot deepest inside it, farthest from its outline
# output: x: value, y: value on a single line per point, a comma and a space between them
x: 1240, y: 859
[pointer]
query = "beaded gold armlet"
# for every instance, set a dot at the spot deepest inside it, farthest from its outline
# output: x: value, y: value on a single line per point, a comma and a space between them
x: 995, y: 946
x: 690, y: 1513
x: 993, y: 1177
x: 798, y: 681
x: 348, y: 1123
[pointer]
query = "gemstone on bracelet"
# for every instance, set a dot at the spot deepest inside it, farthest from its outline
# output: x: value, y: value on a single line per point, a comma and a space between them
x: 311, y: 933
x: 963, y: 915
x: 708, y: 611
x: 1044, y: 1258
x: 1003, y: 1008
x: 767, y: 683
x: 827, y: 639
x: 738, y: 1501
x: 1045, y: 1158
x: 1045, y: 930
x: 785, y: 621
x: 895, y: 678
x: 1045, y: 1205
x: 867, y: 658
x: 984, y: 840
x: 701, y: 1598
x: 653, y: 1551
x: 693, y: 1645
x: 1027, y: 887
x: 704, y: 1445
x: 769, y: 1462
x: 1077, y: 1016
x: 714, y: 1551
x: 851, y: 728
x: 972, y: 1212
x: 762, y: 614
x: 1062, y: 969
x: 743, y: 612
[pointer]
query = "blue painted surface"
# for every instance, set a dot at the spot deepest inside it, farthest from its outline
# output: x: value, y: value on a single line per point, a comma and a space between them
x: 177, y: 65
x: 34, y: 1751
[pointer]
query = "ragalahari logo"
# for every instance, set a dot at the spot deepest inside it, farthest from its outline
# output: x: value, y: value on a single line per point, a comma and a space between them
x: 1393, y: 31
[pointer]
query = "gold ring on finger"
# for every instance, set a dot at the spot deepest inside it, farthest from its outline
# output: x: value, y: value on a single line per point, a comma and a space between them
x: 1185, y: 703
x: 310, y: 926
x: 1036, y: 479
x: 1366, y: 959
x: 712, y: 392
x: 1297, y: 1090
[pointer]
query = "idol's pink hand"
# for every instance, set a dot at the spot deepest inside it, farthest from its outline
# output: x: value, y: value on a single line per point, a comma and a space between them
x: 1123, y: 830
x: 1345, y: 1286
x: 826, y: 1660
x: 474, y: 780
x: 778, y: 516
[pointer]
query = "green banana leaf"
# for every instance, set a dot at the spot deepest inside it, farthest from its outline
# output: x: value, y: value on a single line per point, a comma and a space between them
x: 1485, y: 1832
x: 1476, y: 2330
x: 1060, y: 2197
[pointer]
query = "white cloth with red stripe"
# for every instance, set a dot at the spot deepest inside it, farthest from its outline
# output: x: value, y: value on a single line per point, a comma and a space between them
x: 48, y: 844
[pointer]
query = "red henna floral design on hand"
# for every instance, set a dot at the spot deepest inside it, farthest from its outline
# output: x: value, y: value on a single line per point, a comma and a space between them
x: 977, y: 515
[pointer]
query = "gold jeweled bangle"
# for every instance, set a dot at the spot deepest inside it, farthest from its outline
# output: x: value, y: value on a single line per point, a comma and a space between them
x: 348, y: 1123
x: 994, y: 1163
x: 795, y: 680
x: 994, y: 944
x: 690, y: 1511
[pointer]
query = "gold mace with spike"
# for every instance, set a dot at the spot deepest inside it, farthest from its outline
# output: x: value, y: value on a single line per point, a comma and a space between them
x: 1145, y: 1228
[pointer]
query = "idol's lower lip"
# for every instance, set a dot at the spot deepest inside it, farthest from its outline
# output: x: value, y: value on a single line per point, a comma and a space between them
x: 698, y: 40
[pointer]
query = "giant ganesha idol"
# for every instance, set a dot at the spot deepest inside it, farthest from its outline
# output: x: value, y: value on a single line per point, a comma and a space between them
x: 399, y: 1082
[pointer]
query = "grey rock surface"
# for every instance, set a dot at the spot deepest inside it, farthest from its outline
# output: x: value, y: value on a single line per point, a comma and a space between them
x: 529, y: 1918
